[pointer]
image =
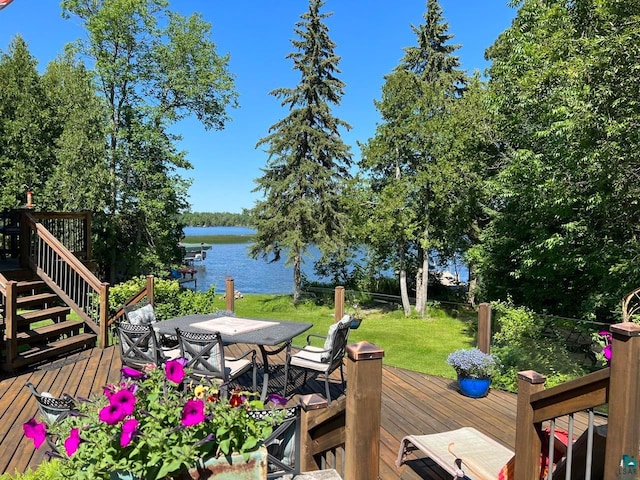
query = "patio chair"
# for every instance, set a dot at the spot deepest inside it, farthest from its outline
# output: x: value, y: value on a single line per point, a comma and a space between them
x: 283, y: 445
x: 205, y: 358
x: 468, y: 453
x: 321, y: 360
x: 139, y: 345
x: 52, y: 409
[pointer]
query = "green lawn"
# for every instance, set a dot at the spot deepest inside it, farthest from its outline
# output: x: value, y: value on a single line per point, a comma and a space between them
x: 416, y: 344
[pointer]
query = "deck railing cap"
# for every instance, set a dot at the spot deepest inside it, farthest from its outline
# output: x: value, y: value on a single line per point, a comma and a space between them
x: 364, y: 351
x: 627, y: 329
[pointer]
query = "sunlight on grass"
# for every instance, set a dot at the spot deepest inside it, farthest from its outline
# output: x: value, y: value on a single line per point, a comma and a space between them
x: 421, y: 345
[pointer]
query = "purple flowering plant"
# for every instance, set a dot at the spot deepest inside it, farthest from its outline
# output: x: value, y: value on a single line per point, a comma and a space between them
x: 474, y: 363
x: 602, y: 347
x: 153, y: 426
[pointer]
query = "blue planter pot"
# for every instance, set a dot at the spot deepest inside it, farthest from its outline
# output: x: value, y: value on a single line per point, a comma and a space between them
x: 474, y: 387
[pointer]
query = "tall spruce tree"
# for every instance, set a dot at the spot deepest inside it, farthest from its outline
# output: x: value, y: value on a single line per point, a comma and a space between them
x: 405, y: 159
x: 308, y: 161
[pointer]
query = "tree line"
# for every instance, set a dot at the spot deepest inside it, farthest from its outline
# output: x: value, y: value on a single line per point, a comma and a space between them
x: 528, y: 172
x: 216, y: 219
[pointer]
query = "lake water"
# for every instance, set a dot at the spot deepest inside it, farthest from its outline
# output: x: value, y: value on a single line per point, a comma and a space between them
x: 232, y: 260
x: 252, y: 275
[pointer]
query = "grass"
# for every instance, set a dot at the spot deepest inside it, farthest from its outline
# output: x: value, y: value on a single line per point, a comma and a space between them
x: 219, y: 239
x: 417, y: 344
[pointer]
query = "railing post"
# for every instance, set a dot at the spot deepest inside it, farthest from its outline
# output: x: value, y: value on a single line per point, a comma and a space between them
x: 150, y: 290
x: 230, y: 294
x: 339, y: 303
x: 484, y: 327
x: 25, y: 240
x: 623, y: 430
x: 11, y: 324
x: 363, y: 413
x: 104, y: 316
x: 528, y: 442
x: 308, y: 403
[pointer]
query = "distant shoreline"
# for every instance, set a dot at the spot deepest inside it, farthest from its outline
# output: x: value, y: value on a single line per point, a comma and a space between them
x: 219, y: 239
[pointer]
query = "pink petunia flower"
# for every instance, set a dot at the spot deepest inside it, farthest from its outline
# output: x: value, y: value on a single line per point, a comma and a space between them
x: 132, y: 373
x: 35, y: 431
x: 129, y: 428
x: 125, y: 400
x: 112, y: 414
x: 193, y: 412
x: 72, y: 442
x: 174, y: 369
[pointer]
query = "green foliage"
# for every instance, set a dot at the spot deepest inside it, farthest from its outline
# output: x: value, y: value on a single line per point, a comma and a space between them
x: 308, y: 161
x: 216, y: 219
x: 563, y: 84
x: 45, y: 471
x: 170, y: 300
x: 521, y: 345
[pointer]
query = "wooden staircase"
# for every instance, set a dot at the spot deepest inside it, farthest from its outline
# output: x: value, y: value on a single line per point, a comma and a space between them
x: 44, y: 330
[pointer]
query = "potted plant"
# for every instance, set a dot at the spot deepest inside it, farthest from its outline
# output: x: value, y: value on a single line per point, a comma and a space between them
x: 156, y: 425
x: 474, y: 369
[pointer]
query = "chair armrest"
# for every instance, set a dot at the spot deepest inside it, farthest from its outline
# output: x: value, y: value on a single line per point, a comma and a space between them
x: 315, y: 335
x: 251, y: 352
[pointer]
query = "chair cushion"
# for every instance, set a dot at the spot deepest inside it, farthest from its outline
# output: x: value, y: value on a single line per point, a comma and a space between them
x: 141, y: 316
x: 328, y: 342
x: 236, y: 366
x: 310, y: 357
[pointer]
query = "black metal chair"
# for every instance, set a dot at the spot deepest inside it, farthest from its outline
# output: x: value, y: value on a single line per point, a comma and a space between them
x: 205, y: 358
x: 138, y: 345
x: 283, y: 445
x: 53, y: 409
x: 321, y: 360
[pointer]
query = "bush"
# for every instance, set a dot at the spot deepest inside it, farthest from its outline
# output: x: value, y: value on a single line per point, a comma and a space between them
x: 521, y: 345
x: 170, y: 300
x: 45, y: 471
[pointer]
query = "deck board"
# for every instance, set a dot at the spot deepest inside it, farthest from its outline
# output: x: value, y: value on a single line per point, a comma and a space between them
x: 412, y: 403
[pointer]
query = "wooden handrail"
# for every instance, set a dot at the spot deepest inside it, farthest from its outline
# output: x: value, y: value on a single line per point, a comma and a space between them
x: 586, y: 392
x: 61, y: 250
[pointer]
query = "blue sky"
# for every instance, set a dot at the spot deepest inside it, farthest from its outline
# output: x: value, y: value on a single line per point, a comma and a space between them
x: 369, y: 34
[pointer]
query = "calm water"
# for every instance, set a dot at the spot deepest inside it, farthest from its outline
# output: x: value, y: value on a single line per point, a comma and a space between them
x: 249, y: 275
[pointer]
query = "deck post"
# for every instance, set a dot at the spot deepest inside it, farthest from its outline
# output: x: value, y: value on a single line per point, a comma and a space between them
x: 339, y: 303
x: 484, y: 327
x: 623, y: 431
x: 528, y: 440
x: 363, y: 413
x: 149, y: 285
x: 11, y: 326
x: 230, y: 294
x: 104, y: 316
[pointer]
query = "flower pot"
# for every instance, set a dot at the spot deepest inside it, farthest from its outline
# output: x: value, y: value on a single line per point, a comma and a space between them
x: 219, y: 468
x: 474, y: 387
x: 355, y: 323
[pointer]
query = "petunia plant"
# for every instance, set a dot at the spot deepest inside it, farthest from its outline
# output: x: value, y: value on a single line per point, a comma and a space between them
x: 153, y: 425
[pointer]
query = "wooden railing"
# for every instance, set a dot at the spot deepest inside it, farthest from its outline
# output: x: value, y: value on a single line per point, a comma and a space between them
x: 72, y: 229
x: 146, y: 292
x: 345, y: 436
x: 618, y: 386
x: 66, y: 275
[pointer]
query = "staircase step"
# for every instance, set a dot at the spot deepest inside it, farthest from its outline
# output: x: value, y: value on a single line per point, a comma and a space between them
x: 30, y: 286
x: 36, y: 300
x: 55, y: 349
x: 53, y: 313
x: 42, y: 334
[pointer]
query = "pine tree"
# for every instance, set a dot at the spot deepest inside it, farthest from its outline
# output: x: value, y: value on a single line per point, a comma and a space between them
x: 412, y: 180
x: 308, y: 161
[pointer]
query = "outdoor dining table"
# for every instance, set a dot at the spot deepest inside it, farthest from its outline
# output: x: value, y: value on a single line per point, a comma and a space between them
x: 263, y: 333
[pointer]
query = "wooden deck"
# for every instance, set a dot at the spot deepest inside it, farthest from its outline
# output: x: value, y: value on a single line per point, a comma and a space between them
x: 412, y: 403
